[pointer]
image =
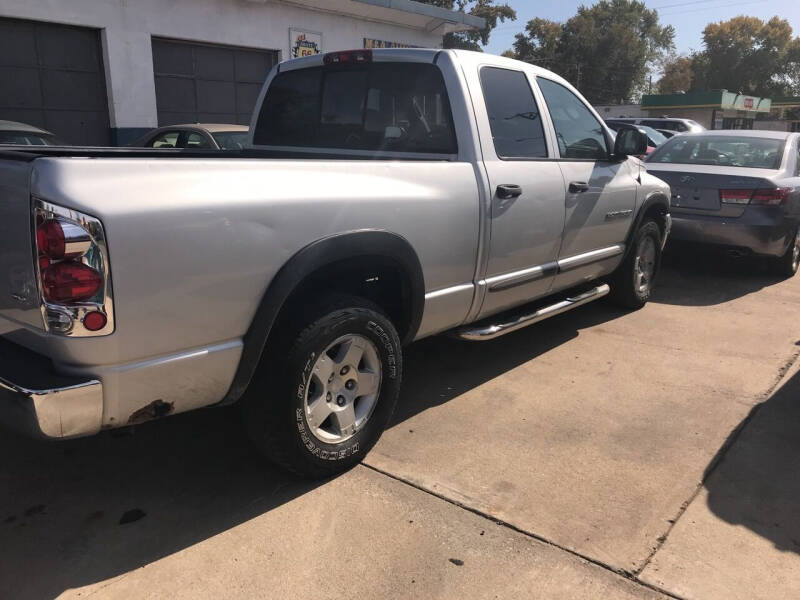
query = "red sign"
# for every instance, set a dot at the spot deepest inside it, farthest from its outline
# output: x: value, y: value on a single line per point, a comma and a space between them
x: 748, y: 103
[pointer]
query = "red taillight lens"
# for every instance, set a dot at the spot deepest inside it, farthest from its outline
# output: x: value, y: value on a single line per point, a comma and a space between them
x: 771, y: 197
x: 735, y: 196
x: 50, y: 239
x: 348, y: 57
x: 67, y: 282
x: 761, y: 196
x: 94, y: 321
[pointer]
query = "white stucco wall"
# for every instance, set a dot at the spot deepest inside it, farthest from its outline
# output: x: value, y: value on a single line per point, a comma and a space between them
x: 127, y: 27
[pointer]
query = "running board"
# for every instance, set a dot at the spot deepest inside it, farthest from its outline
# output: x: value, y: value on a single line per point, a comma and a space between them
x: 477, y: 332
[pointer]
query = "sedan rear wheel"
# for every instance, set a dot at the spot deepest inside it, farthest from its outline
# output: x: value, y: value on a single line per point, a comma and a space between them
x: 786, y: 265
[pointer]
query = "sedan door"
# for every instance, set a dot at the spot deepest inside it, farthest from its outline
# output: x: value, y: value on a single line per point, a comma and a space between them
x: 600, y: 190
x: 527, y: 207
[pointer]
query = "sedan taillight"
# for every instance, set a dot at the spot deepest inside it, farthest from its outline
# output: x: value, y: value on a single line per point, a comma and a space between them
x: 760, y: 196
x: 771, y: 197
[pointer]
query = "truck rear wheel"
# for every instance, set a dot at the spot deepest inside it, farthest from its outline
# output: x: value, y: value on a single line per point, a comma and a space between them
x: 632, y: 282
x: 319, y: 407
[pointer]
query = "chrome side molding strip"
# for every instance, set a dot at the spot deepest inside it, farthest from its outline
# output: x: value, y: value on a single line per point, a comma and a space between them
x: 505, y: 281
x: 477, y: 332
x: 502, y: 282
x: 579, y: 260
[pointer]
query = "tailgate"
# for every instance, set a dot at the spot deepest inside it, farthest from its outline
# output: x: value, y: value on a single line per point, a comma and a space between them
x: 19, y: 299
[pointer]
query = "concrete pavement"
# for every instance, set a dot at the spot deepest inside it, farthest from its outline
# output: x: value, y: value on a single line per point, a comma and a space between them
x: 562, y: 461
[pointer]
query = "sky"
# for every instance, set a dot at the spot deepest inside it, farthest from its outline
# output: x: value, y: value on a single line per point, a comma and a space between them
x: 689, y: 18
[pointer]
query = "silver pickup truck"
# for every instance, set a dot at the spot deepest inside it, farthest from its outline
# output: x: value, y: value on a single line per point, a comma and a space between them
x: 385, y: 196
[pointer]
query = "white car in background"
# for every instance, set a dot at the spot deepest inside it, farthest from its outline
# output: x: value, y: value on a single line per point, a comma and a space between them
x: 671, y: 123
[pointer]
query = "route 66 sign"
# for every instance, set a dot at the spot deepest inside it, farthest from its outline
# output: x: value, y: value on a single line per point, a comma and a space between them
x: 304, y: 43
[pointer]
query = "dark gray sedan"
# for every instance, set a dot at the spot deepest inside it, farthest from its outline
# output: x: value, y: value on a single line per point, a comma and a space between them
x: 736, y: 189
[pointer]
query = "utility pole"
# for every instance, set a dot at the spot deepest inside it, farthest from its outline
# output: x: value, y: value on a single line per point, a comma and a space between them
x: 650, y: 85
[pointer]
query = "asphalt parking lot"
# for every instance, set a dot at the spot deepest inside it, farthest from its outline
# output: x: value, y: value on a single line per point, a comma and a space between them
x: 600, y: 454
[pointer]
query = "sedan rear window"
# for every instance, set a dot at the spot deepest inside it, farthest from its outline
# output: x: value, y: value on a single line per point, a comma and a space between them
x: 20, y: 138
x: 758, y: 153
x: 392, y: 107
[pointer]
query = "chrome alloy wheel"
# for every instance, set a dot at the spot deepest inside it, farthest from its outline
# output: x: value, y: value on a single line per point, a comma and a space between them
x: 644, y: 267
x: 343, y: 389
x: 796, y: 251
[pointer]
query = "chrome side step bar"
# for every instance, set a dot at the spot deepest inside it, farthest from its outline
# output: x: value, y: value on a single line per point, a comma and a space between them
x: 477, y: 332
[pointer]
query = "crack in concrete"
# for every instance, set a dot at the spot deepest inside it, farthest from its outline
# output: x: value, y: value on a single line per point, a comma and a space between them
x: 718, y: 458
x: 598, y: 563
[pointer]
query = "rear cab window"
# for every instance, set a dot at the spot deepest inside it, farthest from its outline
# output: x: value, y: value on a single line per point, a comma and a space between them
x: 390, y: 107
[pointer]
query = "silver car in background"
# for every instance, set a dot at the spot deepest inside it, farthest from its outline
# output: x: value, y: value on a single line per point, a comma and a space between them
x: 197, y: 136
x: 21, y: 134
x: 736, y: 189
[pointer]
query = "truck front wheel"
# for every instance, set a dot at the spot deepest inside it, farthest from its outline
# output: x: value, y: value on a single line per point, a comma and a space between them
x: 632, y: 283
x: 319, y: 408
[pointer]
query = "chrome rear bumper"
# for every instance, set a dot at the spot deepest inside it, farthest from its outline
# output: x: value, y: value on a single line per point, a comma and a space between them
x: 37, y: 401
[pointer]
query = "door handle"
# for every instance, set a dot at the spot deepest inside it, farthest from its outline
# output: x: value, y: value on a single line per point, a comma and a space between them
x: 577, y: 187
x: 508, y: 190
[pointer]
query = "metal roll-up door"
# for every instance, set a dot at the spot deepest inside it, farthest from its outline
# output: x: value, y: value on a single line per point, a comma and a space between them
x: 202, y: 83
x: 53, y: 77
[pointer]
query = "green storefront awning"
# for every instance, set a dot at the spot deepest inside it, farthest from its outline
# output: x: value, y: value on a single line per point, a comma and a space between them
x: 719, y: 99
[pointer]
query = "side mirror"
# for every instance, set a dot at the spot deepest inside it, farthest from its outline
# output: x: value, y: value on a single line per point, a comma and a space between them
x: 630, y: 141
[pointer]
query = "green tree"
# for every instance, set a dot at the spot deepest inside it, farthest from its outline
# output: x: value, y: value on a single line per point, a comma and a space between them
x: 746, y: 54
x: 605, y: 50
x: 677, y: 75
x: 473, y: 40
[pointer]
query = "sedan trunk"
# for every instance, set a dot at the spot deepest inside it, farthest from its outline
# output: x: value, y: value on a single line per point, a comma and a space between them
x: 698, y: 189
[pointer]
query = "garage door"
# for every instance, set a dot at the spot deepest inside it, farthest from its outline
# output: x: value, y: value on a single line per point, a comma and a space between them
x: 200, y: 83
x: 51, y: 76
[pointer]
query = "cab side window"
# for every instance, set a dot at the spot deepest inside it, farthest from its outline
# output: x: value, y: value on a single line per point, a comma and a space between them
x: 579, y: 133
x: 197, y: 140
x: 513, y: 115
x: 168, y: 139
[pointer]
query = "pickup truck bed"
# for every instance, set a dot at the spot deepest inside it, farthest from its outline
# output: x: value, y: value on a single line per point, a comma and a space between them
x: 168, y: 280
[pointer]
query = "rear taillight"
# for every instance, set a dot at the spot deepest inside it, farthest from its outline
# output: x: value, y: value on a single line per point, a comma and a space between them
x: 771, y: 197
x: 760, y: 196
x: 68, y: 281
x: 73, y: 271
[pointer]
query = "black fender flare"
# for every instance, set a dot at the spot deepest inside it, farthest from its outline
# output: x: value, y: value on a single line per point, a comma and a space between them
x: 325, y: 251
x: 654, y: 198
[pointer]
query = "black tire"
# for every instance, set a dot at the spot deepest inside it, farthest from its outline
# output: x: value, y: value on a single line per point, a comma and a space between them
x: 625, y: 290
x: 786, y: 265
x: 274, y: 408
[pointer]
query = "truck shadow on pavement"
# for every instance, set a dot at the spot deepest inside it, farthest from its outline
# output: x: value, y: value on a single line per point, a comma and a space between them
x: 83, y: 511
x: 694, y: 276
x: 756, y: 482
x: 440, y: 368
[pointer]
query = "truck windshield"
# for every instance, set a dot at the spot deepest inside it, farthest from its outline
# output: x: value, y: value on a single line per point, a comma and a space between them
x: 392, y: 107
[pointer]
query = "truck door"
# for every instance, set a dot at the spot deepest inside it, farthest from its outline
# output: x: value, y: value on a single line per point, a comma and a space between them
x: 527, y: 205
x: 600, y: 191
